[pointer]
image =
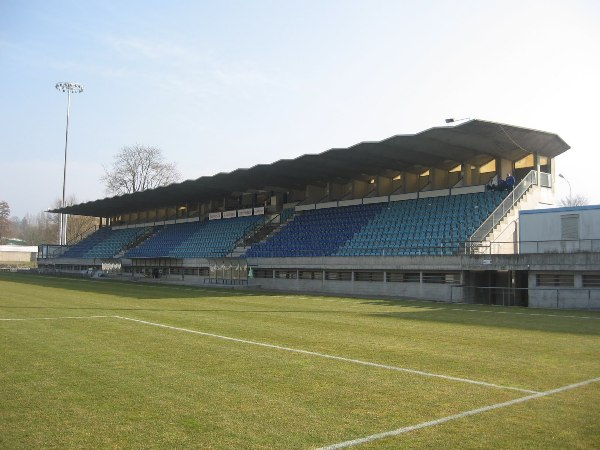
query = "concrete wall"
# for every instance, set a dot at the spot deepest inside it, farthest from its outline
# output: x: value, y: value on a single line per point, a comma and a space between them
x: 564, y: 298
x: 425, y: 291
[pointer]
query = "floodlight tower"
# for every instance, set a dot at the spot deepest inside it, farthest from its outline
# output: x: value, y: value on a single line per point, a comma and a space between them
x: 69, y: 88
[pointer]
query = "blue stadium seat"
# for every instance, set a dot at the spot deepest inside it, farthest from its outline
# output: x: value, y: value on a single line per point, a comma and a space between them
x: 212, y: 238
x: 105, y: 243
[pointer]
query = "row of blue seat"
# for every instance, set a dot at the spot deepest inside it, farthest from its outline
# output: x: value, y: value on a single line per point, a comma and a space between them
x: 404, y: 226
x: 196, y: 239
x: 316, y: 232
x: 428, y: 225
x: 104, y: 243
x: 418, y: 226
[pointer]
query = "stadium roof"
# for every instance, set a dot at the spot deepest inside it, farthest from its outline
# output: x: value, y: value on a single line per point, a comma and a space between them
x: 474, y: 142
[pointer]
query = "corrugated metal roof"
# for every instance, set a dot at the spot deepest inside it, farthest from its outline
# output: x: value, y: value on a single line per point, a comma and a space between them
x: 474, y: 142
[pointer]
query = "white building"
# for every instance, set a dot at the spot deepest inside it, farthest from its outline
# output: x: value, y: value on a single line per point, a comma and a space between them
x: 14, y: 254
x: 570, y: 238
x: 560, y: 230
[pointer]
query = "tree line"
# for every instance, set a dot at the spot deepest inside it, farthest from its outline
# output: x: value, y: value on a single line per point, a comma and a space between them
x: 42, y: 228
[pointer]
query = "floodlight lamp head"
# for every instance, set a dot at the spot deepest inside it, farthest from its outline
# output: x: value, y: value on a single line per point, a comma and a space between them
x: 561, y: 175
x: 68, y: 86
x: 452, y: 120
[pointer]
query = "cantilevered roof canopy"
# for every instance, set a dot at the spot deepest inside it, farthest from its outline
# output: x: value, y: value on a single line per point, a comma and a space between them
x: 474, y: 142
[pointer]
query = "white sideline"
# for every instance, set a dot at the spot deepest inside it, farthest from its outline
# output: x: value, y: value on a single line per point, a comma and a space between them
x: 337, y: 358
x: 59, y: 318
x: 472, y: 412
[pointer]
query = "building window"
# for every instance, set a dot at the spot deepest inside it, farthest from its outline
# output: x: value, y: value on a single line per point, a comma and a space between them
x: 555, y: 280
x: 263, y: 273
x: 569, y: 226
x: 286, y: 274
x: 368, y: 276
x: 338, y: 276
x: 403, y: 277
x: 442, y: 278
x: 310, y: 275
x: 591, y: 280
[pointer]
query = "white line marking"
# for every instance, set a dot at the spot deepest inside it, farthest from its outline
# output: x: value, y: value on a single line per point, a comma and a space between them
x: 337, y: 358
x: 472, y: 412
x: 59, y: 318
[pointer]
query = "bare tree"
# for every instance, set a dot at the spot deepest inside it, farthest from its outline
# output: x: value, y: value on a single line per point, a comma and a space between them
x: 42, y: 228
x: 78, y: 227
x: 137, y: 168
x: 575, y: 200
x: 38, y: 229
x: 4, y: 219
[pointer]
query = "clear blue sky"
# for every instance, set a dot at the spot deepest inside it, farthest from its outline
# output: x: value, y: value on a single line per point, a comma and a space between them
x: 229, y: 84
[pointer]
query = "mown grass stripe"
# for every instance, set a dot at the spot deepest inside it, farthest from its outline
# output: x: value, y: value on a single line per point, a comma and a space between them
x: 57, y: 318
x: 337, y: 358
x: 472, y: 412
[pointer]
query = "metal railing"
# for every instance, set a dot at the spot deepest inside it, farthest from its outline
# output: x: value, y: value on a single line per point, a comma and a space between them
x: 491, y: 295
x: 255, y: 230
x: 545, y: 180
x: 49, y: 251
x: 446, y: 249
x: 505, y: 206
x: 449, y: 248
x: 82, y: 235
x: 527, y: 247
x: 560, y: 246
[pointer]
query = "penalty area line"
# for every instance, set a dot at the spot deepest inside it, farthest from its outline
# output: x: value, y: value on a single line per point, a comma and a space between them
x: 472, y: 412
x: 333, y: 357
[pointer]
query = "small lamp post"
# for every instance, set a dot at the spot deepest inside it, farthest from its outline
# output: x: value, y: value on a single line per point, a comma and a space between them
x: 563, y: 177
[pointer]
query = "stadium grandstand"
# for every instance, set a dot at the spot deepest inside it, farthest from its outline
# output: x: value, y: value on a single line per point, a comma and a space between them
x: 434, y: 215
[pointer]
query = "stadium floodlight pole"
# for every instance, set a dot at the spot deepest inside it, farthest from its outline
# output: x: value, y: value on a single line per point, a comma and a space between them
x: 564, y: 178
x: 69, y: 88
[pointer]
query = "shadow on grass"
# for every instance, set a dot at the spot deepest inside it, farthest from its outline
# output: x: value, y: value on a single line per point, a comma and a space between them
x: 206, y: 310
x: 121, y: 288
x: 502, y: 318
x: 417, y: 310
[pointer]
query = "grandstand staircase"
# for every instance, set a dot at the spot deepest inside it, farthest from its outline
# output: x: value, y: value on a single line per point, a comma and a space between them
x: 498, y: 233
x: 82, y: 235
x: 258, y: 234
x: 141, y: 238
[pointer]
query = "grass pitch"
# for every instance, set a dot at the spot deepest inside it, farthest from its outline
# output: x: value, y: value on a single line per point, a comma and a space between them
x: 100, y: 364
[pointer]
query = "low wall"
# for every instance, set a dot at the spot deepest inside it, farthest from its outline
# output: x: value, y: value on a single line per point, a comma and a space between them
x: 565, y: 298
x: 424, y: 291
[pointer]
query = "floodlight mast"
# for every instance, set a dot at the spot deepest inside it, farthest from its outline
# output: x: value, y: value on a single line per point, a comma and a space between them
x: 68, y: 87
